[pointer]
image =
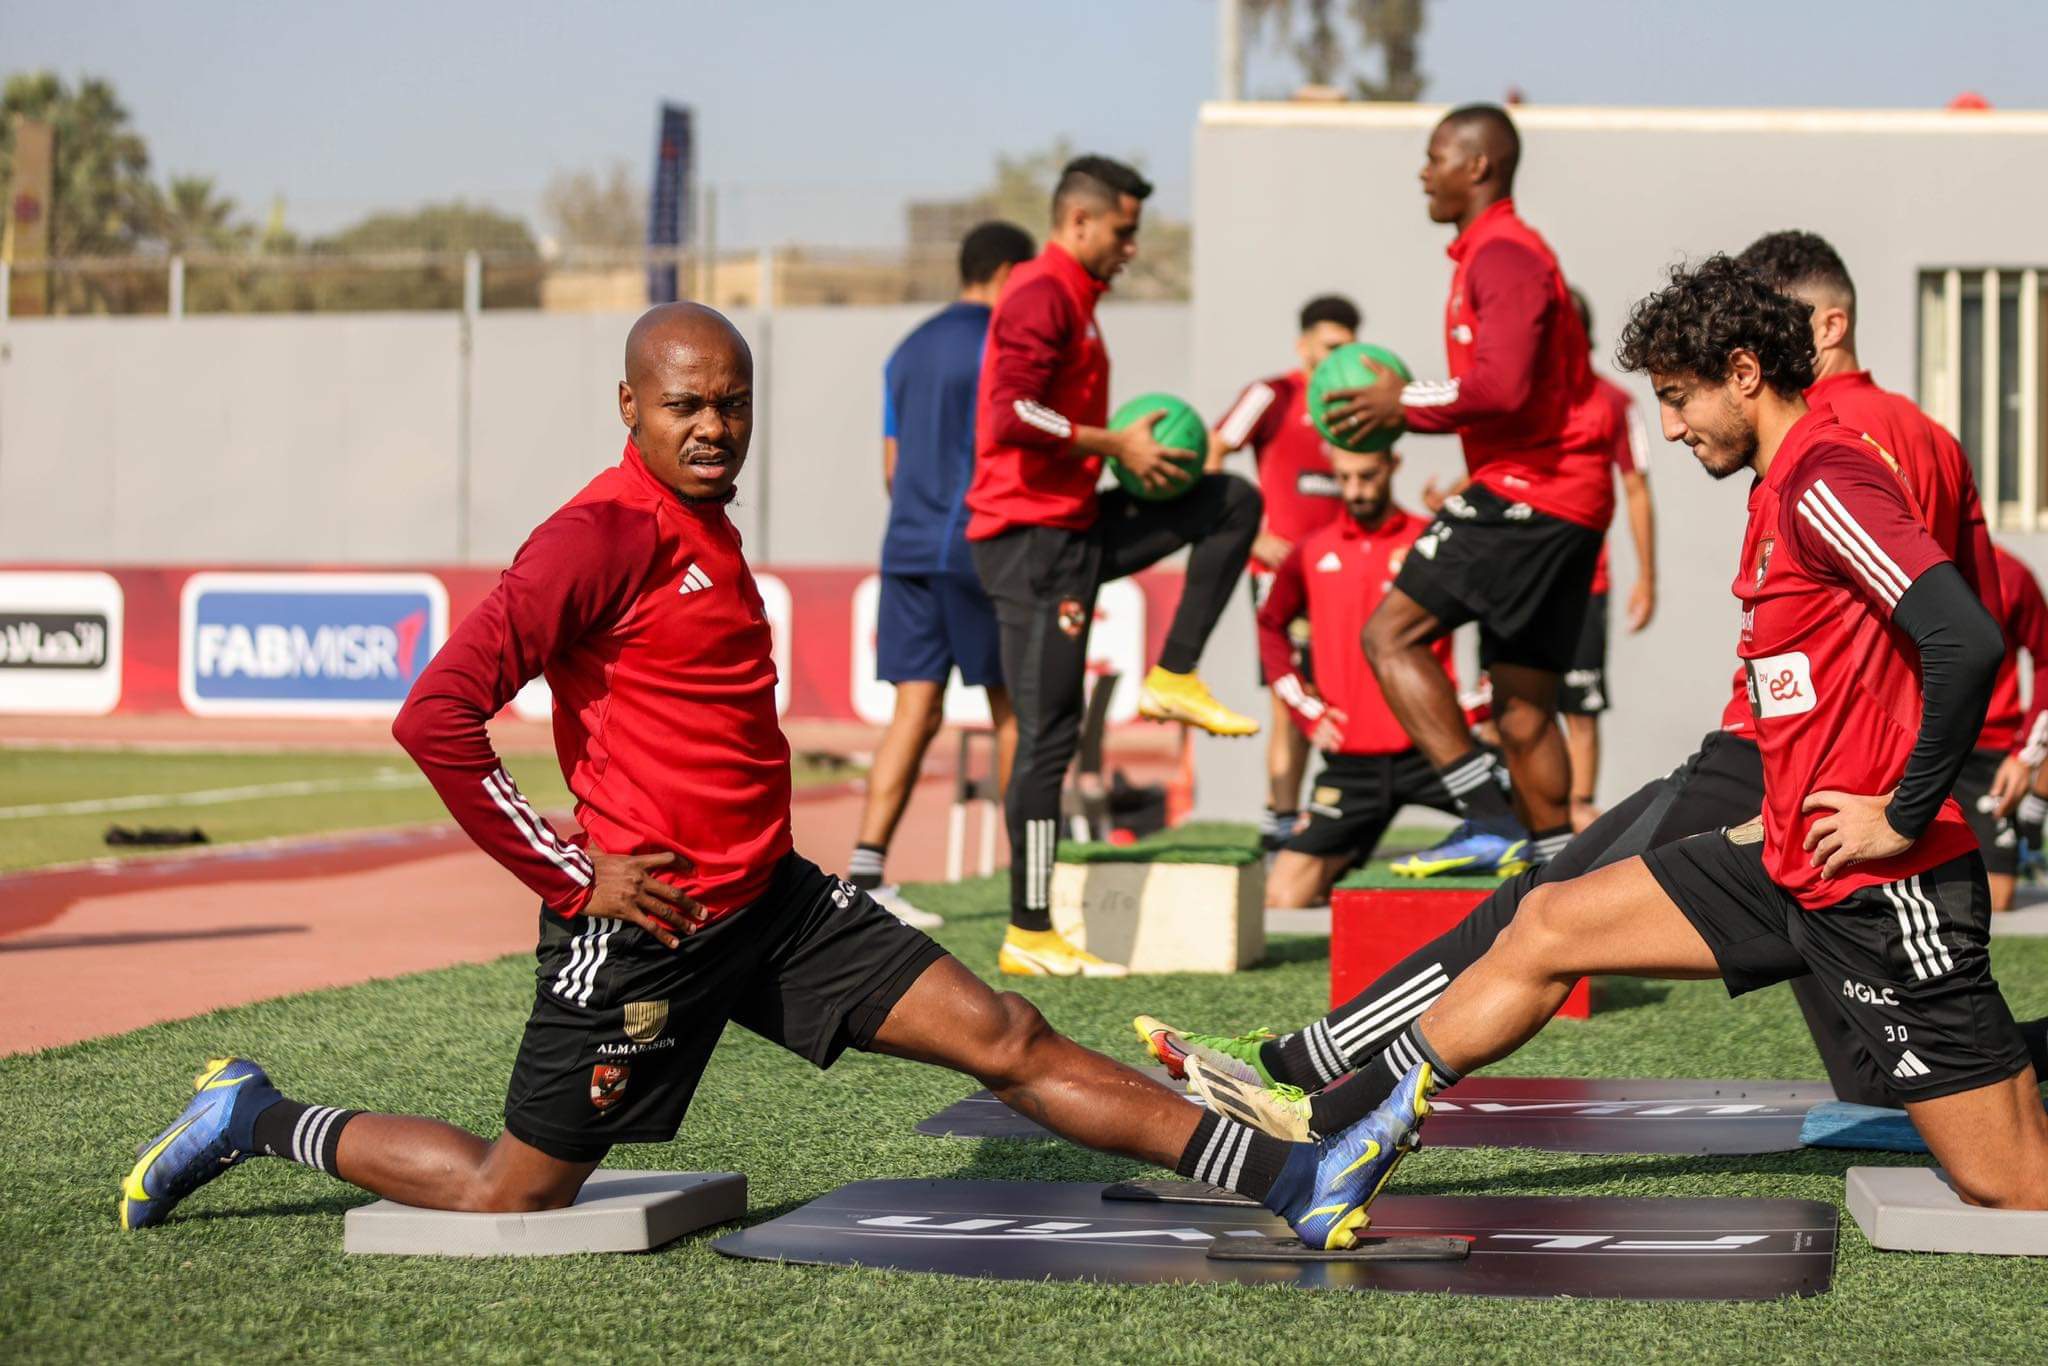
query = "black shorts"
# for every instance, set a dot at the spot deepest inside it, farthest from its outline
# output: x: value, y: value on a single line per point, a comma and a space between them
x: 1998, y: 838
x: 1523, y: 575
x: 1357, y: 796
x: 1583, y: 690
x: 622, y: 1026
x: 1907, y: 962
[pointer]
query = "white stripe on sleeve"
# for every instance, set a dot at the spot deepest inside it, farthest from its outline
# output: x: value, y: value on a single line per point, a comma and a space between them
x: 1429, y: 393
x: 1236, y: 427
x: 1818, y: 515
x: 1043, y: 418
x: 549, y: 848
x: 1848, y: 522
x: 1638, y: 442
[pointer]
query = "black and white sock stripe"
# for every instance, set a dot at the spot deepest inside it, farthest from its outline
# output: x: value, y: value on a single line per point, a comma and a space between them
x: 864, y: 862
x: 1222, y: 1162
x: 1469, y: 775
x: 1323, y: 1054
x: 309, y: 1136
x: 587, y: 951
x: 1041, y: 841
x: 1550, y: 846
x: 1358, y: 1034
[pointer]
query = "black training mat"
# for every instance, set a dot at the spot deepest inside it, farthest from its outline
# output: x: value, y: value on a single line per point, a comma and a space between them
x: 1555, y: 1114
x: 1520, y: 1246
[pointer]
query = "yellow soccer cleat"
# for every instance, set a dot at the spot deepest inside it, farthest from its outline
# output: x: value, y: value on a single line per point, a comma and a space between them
x: 1167, y: 696
x: 1046, y: 953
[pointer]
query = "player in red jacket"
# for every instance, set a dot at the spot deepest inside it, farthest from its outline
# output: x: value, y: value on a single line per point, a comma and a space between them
x: 1515, y: 550
x: 1334, y: 578
x: 2015, y: 738
x: 1044, y: 542
x: 1271, y: 418
x: 1870, y: 661
x: 685, y: 908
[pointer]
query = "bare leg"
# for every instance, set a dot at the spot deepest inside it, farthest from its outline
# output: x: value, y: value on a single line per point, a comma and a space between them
x: 1004, y: 718
x: 1992, y: 1141
x: 919, y: 713
x: 1617, y: 920
x: 1525, y: 706
x: 1299, y: 880
x: 1286, y: 759
x: 2001, y: 890
x: 1397, y: 643
x: 954, y: 1019
x: 1582, y: 740
x: 424, y: 1162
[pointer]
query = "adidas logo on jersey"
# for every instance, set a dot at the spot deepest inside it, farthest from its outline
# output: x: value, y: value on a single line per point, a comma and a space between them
x: 693, y: 580
x: 1909, y: 1066
x: 1330, y: 563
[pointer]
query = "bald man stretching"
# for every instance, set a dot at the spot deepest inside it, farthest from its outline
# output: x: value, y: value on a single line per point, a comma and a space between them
x: 687, y: 907
x: 1516, y: 548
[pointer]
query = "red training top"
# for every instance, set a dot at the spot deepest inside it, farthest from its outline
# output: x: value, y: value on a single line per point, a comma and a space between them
x: 1618, y: 431
x: 1519, y: 375
x: 1044, y: 372
x: 1272, y: 418
x: 1933, y: 466
x: 640, y: 610
x: 2025, y: 625
x: 1833, y: 543
x: 1337, y: 576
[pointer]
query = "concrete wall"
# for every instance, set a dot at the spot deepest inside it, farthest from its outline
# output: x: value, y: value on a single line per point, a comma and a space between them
x: 1295, y: 201
x: 338, y: 438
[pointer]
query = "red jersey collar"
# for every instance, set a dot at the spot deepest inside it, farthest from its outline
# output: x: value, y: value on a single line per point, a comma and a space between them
x: 636, y: 465
x: 1819, y: 393
x: 1064, y: 263
x: 1482, y: 227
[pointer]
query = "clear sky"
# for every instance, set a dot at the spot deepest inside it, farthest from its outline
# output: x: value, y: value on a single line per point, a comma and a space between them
x: 816, y: 119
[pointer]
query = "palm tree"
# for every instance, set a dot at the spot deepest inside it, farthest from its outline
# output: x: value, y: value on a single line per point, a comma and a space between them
x: 190, y: 218
x: 1393, y: 27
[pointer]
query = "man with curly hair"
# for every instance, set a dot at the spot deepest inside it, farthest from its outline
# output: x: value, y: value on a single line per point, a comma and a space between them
x: 1870, y: 662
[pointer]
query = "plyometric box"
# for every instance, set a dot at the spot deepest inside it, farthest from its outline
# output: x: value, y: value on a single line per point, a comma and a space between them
x: 1183, y: 913
x: 1376, y: 920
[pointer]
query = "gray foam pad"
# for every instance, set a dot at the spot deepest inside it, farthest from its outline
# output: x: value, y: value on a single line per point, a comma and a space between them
x: 1914, y: 1209
x: 617, y: 1211
x: 2022, y: 922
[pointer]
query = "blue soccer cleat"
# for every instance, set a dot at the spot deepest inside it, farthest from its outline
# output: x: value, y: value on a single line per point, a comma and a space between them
x: 198, y: 1145
x: 1351, y: 1168
x: 1469, y: 852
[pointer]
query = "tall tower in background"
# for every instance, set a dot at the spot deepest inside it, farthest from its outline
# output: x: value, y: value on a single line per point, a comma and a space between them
x: 671, y: 201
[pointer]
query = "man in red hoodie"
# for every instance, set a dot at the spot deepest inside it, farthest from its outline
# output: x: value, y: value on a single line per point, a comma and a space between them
x: 1044, y: 542
x: 685, y: 907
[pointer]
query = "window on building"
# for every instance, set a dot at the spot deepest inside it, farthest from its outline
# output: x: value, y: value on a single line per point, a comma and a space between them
x: 1982, y: 376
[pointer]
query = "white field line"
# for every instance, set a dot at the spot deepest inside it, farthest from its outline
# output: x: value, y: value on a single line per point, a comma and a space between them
x: 148, y: 801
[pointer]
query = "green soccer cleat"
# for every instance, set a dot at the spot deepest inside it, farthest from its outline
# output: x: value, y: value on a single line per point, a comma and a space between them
x: 1237, y: 1056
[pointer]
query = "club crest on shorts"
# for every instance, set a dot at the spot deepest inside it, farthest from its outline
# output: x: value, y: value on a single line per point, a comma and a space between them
x: 608, y: 1084
x: 1763, y: 558
x: 1072, y: 617
x: 645, y: 1020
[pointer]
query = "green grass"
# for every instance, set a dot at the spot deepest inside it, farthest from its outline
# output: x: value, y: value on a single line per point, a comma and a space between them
x: 251, y: 1269
x: 354, y: 792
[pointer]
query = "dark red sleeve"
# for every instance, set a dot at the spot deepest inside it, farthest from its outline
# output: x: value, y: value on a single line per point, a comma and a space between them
x: 1025, y: 342
x: 1510, y: 291
x: 578, y: 573
x: 1974, y: 555
x: 1285, y: 601
x: 1630, y: 450
x: 2026, y: 628
x: 1845, y: 510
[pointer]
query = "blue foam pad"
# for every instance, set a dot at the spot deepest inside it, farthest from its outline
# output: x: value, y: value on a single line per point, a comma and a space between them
x: 1840, y: 1124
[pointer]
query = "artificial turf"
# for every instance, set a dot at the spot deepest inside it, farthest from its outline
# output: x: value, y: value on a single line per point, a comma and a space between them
x: 251, y: 1269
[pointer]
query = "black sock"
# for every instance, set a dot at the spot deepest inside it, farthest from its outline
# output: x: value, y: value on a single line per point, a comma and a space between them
x: 307, y: 1134
x: 1545, y: 845
x: 1334, y: 1110
x: 1278, y: 828
x: 1234, y: 1156
x: 864, y: 868
x: 1299, y: 1059
x: 1474, y: 780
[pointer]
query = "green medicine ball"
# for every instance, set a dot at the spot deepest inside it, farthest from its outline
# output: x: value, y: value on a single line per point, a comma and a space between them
x: 1181, y: 431
x: 1345, y: 368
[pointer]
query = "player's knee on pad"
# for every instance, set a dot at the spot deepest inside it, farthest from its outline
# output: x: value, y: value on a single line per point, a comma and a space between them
x: 491, y: 1196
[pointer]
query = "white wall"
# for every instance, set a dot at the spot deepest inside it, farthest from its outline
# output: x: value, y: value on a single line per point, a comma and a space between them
x: 1295, y: 201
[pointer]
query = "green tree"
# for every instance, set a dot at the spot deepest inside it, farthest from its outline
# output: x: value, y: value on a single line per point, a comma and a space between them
x: 188, y: 218
x: 1020, y: 190
x: 1309, y: 31
x: 512, y: 264
x: 100, y: 195
x: 607, y: 212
